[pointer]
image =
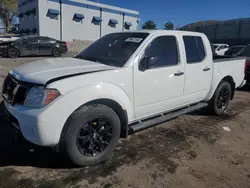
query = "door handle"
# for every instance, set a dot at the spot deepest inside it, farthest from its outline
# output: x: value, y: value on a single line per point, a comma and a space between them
x: 206, y: 69
x: 178, y: 73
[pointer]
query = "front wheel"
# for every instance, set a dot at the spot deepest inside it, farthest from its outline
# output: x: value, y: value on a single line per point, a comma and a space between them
x: 91, y: 134
x: 222, y: 96
x: 13, y: 53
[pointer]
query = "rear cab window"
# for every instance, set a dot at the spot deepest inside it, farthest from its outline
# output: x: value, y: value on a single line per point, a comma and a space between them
x: 194, y: 47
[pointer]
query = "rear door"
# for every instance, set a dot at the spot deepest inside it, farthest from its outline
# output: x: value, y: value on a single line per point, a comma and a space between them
x: 30, y: 47
x: 198, y: 69
x: 46, y: 46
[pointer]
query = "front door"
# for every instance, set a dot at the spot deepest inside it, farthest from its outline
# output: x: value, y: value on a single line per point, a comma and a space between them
x: 159, y: 88
x: 30, y: 47
x: 198, y: 69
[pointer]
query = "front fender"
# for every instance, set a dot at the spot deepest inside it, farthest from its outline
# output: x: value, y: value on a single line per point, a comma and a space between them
x: 83, y: 95
x: 57, y: 113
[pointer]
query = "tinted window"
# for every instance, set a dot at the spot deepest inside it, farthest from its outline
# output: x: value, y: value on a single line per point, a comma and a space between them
x: 46, y: 40
x: 194, y: 47
x: 201, y: 48
x: 32, y: 40
x: 113, y: 49
x: 165, y: 48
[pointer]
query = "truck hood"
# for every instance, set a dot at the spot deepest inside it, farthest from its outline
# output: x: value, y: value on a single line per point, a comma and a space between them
x: 44, y: 71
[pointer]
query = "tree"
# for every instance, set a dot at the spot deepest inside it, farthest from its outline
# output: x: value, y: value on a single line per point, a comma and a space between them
x: 169, y: 26
x: 8, y: 9
x: 149, y: 25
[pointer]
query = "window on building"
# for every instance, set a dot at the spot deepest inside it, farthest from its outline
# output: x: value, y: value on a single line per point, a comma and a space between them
x: 53, y: 14
x: 113, y: 23
x: 194, y: 47
x: 34, y: 13
x: 127, y: 25
x: 97, y: 20
x: 78, y: 17
x: 164, y: 48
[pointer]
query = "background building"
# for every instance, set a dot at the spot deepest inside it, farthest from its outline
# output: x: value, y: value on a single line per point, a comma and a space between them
x: 231, y: 32
x: 73, y: 19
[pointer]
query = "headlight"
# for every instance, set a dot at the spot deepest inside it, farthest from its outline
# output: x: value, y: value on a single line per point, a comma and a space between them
x: 3, y: 46
x: 39, y: 97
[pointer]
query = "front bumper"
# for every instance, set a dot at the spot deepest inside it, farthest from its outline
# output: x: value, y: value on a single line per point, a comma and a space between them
x: 35, y: 125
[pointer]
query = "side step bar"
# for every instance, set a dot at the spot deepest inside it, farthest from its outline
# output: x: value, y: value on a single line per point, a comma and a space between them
x: 144, y: 124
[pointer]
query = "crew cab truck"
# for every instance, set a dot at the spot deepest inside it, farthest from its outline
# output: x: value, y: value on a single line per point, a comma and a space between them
x: 121, y: 84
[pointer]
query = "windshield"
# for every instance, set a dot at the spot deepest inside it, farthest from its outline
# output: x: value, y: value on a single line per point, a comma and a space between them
x: 113, y: 49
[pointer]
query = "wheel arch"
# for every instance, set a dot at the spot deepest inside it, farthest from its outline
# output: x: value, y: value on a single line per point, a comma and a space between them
x: 122, y: 114
x: 215, y: 85
x: 230, y: 80
x: 13, y: 47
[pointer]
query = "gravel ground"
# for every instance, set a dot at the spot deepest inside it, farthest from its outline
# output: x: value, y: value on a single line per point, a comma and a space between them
x: 191, y: 151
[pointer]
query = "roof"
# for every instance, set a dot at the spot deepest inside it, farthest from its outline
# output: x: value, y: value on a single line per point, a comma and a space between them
x: 161, y: 32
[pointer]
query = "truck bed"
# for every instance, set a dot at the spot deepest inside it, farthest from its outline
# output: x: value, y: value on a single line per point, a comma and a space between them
x: 220, y: 58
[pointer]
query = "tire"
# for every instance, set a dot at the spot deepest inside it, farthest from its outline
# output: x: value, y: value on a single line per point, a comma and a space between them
x: 73, y: 140
x: 13, y: 53
x: 221, y: 98
x: 56, y: 52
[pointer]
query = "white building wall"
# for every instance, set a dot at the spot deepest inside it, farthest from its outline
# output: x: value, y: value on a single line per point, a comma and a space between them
x: 48, y: 26
x: 82, y: 31
x: 32, y: 22
x: 106, y: 28
x: 71, y: 29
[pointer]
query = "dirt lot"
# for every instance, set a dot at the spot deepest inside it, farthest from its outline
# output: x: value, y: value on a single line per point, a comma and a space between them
x: 190, y: 151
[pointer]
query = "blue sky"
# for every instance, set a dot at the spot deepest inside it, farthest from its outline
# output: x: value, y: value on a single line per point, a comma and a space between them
x: 182, y: 12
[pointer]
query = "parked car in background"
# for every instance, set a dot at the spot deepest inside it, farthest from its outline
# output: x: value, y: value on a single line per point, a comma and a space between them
x: 220, y: 49
x: 233, y: 50
x: 122, y: 83
x: 33, y: 46
x: 245, y: 52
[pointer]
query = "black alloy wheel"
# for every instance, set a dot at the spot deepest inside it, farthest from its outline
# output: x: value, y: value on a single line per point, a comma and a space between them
x: 90, y: 134
x: 94, y: 137
x: 223, y: 99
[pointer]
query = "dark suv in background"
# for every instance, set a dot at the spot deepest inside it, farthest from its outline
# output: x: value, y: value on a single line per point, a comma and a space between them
x: 33, y: 46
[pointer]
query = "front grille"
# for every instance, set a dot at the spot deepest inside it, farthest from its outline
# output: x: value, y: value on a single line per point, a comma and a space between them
x: 13, y: 91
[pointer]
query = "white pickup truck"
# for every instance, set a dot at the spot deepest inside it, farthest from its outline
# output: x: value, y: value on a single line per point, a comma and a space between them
x: 122, y: 83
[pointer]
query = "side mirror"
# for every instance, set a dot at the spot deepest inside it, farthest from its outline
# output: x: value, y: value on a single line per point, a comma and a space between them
x: 148, y: 62
x: 25, y: 42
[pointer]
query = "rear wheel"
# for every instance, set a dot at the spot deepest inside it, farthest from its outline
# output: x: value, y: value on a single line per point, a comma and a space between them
x: 13, y: 53
x: 56, y: 52
x: 222, y: 96
x: 91, y: 134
